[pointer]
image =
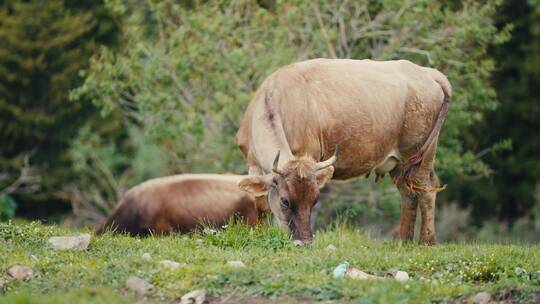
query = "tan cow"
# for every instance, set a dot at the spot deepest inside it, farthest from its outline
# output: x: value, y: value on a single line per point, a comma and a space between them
x: 385, y: 116
x: 182, y: 203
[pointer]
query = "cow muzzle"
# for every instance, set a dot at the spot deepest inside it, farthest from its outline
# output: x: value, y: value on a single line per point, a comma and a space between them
x: 302, y: 235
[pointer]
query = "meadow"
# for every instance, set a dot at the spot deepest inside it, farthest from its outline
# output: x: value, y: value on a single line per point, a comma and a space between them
x: 275, y: 270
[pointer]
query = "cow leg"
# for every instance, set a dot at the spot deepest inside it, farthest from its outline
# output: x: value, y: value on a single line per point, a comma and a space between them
x: 424, y: 178
x: 317, y: 208
x: 315, y: 214
x: 427, y: 206
x: 409, y: 207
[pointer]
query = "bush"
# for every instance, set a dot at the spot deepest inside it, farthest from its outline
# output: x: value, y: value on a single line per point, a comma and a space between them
x: 106, y: 170
x: 187, y: 72
x: 7, y: 208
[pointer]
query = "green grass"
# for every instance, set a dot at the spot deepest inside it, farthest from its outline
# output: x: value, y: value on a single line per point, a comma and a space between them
x: 275, y: 269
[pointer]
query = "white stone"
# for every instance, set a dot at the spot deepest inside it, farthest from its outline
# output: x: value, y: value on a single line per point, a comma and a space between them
x: 19, y: 272
x: 298, y: 243
x: 236, y: 264
x: 391, y: 273
x: 146, y: 256
x: 358, y: 274
x: 170, y: 264
x: 331, y: 247
x: 401, y: 276
x: 80, y: 242
x: 138, y: 285
x: 481, y: 298
x: 194, y: 297
x: 199, y: 241
x: 2, y: 283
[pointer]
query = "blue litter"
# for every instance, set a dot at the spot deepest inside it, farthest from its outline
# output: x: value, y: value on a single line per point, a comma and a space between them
x: 340, y: 270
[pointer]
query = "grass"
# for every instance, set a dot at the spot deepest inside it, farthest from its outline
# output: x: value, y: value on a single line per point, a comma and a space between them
x: 275, y: 270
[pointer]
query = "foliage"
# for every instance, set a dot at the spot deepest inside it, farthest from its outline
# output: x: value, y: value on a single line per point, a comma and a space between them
x: 20, y: 177
x: 187, y: 72
x: 512, y: 191
x: 105, y: 174
x: 375, y: 206
x: 236, y: 236
x: 7, y: 208
x: 441, y: 273
x: 44, y: 45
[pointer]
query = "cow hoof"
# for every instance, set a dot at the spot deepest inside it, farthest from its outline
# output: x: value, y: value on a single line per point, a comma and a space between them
x: 427, y: 242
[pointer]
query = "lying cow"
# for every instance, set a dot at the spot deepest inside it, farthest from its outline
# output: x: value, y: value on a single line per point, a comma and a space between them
x: 385, y: 116
x: 182, y: 203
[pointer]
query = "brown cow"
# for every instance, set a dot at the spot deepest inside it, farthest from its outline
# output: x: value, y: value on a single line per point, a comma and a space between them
x: 181, y: 203
x: 385, y: 116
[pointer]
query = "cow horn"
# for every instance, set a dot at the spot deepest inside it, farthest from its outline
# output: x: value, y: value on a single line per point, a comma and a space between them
x: 275, y: 165
x: 330, y: 161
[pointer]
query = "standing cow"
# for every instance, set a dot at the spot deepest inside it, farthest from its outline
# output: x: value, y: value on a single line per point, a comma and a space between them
x: 385, y: 116
x: 182, y: 203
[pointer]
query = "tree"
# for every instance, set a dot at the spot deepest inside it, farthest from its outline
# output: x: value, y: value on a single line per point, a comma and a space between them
x: 25, y: 181
x: 44, y: 46
x: 188, y: 71
x: 510, y: 192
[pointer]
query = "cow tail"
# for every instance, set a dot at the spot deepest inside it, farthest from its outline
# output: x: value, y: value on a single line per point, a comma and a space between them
x: 414, y: 162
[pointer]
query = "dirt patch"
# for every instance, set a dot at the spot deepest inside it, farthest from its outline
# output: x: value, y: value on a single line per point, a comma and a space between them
x: 505, y: 295
x: 243, y: 299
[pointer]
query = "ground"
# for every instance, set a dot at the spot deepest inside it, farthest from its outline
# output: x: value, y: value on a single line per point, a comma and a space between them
x: 275, y: 270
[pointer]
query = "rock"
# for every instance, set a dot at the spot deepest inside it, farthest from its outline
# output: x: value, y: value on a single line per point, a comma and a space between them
x: 344, y: 270
x: 505, y: 293
x: 199, y: 241
x: 80, y: 242
x: 194, y: 297
x: 331, y: 247
x: 146, y: 256
x: 138, y: 285
x: 391, y: 272
x: 358, y: 274
x: 401, y: 276
x: 520, y: 271
x: 2, y: 283
x: 298, y: 243
x: 236, y: 264
x: 481, y: 298
x: 170, y: 264
x: 19, y: 272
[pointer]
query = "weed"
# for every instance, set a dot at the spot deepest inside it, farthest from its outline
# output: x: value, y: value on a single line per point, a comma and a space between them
x: 273, y: 267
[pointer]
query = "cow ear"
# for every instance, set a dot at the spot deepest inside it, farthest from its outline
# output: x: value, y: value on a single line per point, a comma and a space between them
x: 324, y: 175
x: 255, y: 185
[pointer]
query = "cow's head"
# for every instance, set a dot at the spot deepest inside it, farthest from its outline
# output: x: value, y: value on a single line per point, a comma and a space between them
x: 292, y: 191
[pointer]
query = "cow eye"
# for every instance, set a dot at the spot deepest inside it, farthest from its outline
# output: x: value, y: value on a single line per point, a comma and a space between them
x: 284, y: 202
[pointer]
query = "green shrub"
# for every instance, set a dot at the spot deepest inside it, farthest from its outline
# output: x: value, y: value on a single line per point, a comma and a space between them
x: 239, y: 236
x: 7, y: 208
x: 187, y: 72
